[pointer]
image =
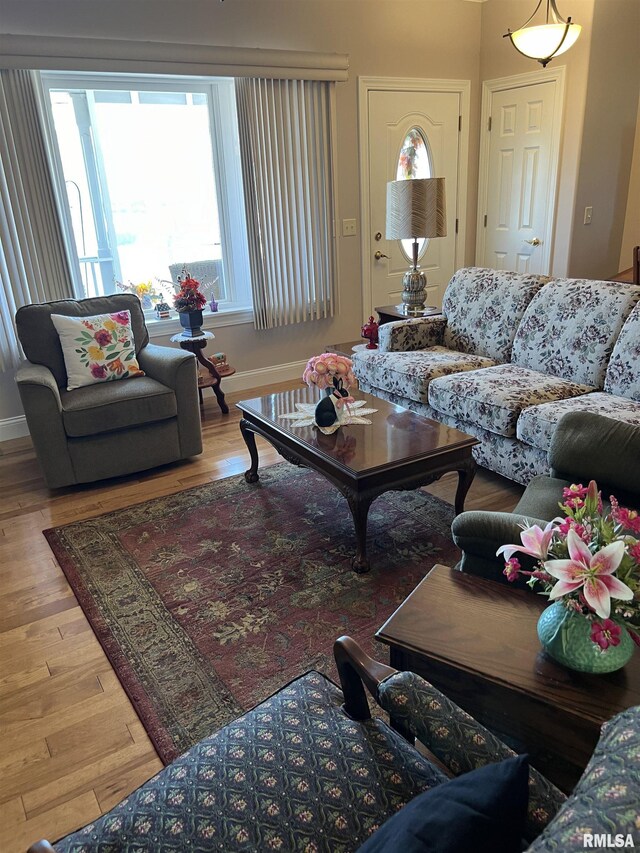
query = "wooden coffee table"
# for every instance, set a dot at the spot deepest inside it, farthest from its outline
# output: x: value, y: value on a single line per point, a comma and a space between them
x: 476, y: 640
x: 398, y: 450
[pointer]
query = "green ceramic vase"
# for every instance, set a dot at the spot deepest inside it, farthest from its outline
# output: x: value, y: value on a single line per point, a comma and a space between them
x: 566, y: 636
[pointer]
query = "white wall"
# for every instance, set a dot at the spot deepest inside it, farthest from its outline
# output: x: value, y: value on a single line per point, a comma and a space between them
x: 631, y: 234
x: 608, y: 135
x: 411, y: 38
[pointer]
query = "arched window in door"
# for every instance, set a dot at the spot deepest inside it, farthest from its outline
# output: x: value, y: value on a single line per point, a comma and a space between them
x: 414, y: 161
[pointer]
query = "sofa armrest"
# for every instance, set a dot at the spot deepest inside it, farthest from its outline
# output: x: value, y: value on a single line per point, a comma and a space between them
x: 607, y: 794
x: 412, y: 334
x: 42, y: 406
x: 164, y: 364
x: 357, y: 670
x: 177, y: 369
x: 459, y: 741
x: 479, y: 534
x: 37, y: 374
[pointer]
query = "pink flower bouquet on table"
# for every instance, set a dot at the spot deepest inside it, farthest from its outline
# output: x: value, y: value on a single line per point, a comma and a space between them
x: 589, y: 561
x: 334, y: 373
x: 321, y: 370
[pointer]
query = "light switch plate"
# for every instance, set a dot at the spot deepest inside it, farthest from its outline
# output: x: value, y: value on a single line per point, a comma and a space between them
x: 349, y: 228
x: 588, y: 214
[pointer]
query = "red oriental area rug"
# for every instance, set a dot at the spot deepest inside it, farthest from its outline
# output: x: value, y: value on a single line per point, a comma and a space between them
x: 208, y: 601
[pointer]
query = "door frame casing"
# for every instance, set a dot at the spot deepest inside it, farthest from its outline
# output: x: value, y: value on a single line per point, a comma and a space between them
x: 555, y: 75
x: 409, y: 84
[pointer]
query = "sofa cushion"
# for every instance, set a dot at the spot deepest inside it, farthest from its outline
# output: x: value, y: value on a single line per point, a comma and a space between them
x: 483, y: 308
x: 109, y: 406
x: 494, y: 397
x: 604, y: 803
x: 268, y: 780
x: 536, y: 424
x: 408, y: 374
x: 623, y: 373
x: 571, y: 326
x: 39, y: 337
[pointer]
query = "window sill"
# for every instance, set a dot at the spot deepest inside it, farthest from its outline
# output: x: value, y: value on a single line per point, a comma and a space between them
x: 170, y: 326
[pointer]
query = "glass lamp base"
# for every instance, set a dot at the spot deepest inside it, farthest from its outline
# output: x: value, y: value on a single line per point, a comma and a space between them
x: 414, y: 290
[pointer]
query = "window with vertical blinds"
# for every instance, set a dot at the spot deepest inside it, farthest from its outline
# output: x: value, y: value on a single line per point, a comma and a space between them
x: 286, y: 145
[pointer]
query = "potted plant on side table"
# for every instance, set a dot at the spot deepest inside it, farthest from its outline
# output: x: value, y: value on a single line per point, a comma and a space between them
x: 189, y: 302
x: 588, y: 564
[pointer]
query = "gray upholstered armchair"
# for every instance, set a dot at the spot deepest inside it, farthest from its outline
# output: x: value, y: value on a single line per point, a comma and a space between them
x: 111, y: 428
x: 584, y: 447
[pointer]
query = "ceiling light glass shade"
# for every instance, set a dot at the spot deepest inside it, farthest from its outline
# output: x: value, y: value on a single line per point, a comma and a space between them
x: 545, y: 41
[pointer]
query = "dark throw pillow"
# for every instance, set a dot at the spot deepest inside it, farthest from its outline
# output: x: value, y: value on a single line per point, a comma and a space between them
x: 483, y: 811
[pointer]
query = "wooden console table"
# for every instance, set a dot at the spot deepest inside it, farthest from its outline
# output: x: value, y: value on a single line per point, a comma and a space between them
x: 476, y: 640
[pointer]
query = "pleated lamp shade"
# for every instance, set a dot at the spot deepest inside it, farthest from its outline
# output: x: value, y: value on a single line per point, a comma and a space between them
x: 416, y: 208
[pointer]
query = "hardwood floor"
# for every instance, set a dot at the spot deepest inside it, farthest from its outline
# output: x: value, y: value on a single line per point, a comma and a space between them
x: 72, y: 745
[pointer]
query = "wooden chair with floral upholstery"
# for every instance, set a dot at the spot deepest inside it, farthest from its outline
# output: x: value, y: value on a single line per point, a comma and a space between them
x: 310, y: 770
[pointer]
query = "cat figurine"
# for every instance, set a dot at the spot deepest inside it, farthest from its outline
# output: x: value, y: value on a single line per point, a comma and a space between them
x: 329, y: 409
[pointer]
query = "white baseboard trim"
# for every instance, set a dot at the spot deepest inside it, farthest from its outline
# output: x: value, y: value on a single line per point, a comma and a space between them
x: 13, y: 428
x: 263, y: 376
x: 16, y: 427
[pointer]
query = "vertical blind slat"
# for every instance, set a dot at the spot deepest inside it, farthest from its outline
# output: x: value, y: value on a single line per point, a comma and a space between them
x: 293, y: 253
x: 297, y: 255
x: 287, y: 162
x: 35, y: 266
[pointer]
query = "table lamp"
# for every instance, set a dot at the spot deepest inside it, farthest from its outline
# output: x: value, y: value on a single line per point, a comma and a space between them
x: 415, y: 209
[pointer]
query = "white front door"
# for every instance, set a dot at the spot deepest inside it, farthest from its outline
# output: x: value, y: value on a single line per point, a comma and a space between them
x: 518, y: 173
x: 433, y: 120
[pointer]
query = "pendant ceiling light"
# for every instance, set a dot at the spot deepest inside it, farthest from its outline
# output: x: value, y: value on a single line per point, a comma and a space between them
x: 544, y: 41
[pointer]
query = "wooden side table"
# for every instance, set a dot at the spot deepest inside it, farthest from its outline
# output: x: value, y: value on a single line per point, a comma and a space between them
x: 213, y: 380
x: 389, y: 313
x: 347, y: 348
x: 476, y: 640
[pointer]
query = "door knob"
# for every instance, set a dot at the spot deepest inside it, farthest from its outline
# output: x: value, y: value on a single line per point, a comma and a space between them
x: 534, y: 242
x: 379, y: 255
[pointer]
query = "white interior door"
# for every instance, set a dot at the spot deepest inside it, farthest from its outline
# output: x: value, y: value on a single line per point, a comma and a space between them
x: 518, y: 175
x: 391, y: 116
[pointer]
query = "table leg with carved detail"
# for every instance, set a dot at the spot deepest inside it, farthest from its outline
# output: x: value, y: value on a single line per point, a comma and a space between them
x: 251, y: 476
x: 359, y: 506
x: 217, y: 390
x: 466, y: 473
x: 196, y: 345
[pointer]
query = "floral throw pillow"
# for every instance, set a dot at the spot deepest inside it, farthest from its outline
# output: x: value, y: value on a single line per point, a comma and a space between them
x: 97, y: 349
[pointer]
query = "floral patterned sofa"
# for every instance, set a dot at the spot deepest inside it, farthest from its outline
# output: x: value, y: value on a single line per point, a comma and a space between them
x: 509, y: 355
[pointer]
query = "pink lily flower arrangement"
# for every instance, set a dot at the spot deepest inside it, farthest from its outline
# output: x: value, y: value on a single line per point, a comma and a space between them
x: 589, y: 560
